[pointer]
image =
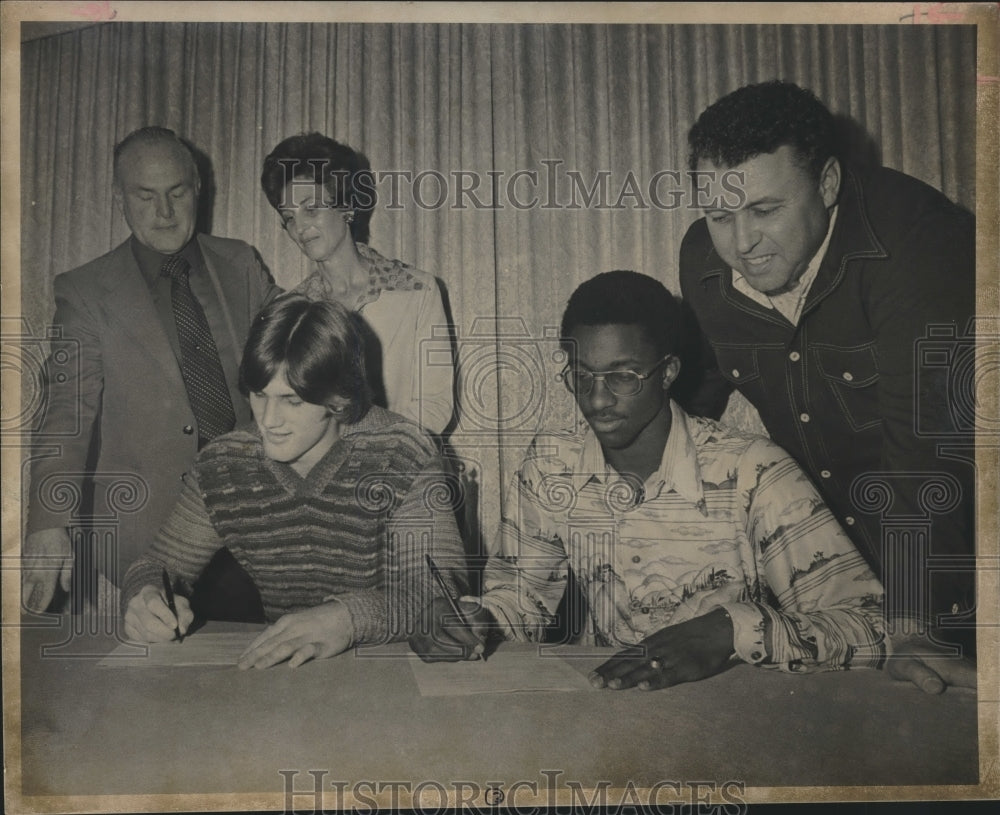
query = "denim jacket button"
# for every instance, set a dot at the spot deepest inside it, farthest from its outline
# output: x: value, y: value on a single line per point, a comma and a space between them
x: 848, y: 376
x: 736, y: 373
x: 795, y: 356
x: 825, y: 473
x: 804, y: 417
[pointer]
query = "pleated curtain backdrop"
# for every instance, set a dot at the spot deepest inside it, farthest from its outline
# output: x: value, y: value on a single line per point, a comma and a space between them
x: 538, y: 116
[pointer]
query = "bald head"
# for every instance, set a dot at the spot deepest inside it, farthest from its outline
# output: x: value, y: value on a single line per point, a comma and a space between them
x: 156, y: 186
x: 152, y: 139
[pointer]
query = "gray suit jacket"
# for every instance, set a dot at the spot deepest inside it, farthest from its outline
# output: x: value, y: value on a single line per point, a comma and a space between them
x: 118, y: 432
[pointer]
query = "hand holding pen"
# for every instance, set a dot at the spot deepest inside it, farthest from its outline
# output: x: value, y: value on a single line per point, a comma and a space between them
x: 168, y: 593
x: 157, y: 613
x: 450, y: 630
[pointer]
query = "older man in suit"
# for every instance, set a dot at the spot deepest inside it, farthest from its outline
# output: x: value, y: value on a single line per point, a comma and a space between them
x: 154, y: 330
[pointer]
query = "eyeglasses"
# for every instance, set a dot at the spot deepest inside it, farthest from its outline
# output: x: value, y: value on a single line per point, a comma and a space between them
x: 308, y: 212
x: 620, y: 383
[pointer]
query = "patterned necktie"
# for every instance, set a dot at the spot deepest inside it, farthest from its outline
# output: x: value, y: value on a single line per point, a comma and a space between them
x: 204, y: 378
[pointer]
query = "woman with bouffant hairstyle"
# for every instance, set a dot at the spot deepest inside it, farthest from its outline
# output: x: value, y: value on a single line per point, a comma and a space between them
x: 324, y: 193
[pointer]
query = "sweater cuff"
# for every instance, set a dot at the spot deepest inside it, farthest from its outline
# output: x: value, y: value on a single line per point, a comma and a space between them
x: 748, y: 631
x: 368, y: 618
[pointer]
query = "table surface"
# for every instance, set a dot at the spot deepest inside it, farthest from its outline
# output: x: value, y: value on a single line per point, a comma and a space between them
x: 87, y: 730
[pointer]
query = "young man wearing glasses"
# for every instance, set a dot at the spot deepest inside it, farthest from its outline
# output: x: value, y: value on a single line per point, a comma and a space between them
x: 700, y: 544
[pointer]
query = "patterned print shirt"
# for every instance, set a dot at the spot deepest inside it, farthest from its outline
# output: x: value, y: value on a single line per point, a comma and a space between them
x: 727, y: 520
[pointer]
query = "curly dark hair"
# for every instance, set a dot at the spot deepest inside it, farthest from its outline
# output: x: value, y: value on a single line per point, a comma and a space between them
x: 758, y: 119
x: 629, y: 298
x: 344, y: 172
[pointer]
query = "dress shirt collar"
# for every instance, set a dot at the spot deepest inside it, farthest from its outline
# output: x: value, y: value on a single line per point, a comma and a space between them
x: 678, y: 468
x: 789, y: 303
x: 150, y: 261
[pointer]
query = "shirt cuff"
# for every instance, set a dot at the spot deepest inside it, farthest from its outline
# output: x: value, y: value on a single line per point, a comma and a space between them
x: 510, y: 628
x: 748, y: 631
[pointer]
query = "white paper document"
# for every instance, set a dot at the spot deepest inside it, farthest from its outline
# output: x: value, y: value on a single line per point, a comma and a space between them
x: 201, y: 648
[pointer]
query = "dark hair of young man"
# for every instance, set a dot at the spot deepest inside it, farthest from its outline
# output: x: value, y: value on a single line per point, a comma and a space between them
x: 321, y: 347
x: 628, y: 298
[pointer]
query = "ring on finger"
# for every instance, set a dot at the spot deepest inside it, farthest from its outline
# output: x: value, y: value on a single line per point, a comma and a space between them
x: 655, y: 664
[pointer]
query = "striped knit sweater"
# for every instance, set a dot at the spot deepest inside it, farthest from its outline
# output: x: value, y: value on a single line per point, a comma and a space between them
x: 355, y: 529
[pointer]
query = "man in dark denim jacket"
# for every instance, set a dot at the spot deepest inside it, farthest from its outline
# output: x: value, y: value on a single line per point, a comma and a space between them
x: 838, y: 303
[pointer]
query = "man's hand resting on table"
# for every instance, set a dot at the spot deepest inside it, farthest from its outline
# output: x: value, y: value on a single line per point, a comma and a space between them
x: 48, y: 559
x: 441, y: 638
x: 149, y: 619
x: 316, y: 633
x: 686, y: 652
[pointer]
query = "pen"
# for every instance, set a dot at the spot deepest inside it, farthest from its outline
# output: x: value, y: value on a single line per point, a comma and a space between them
x: 448, y: 596
x: 168, y: 589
